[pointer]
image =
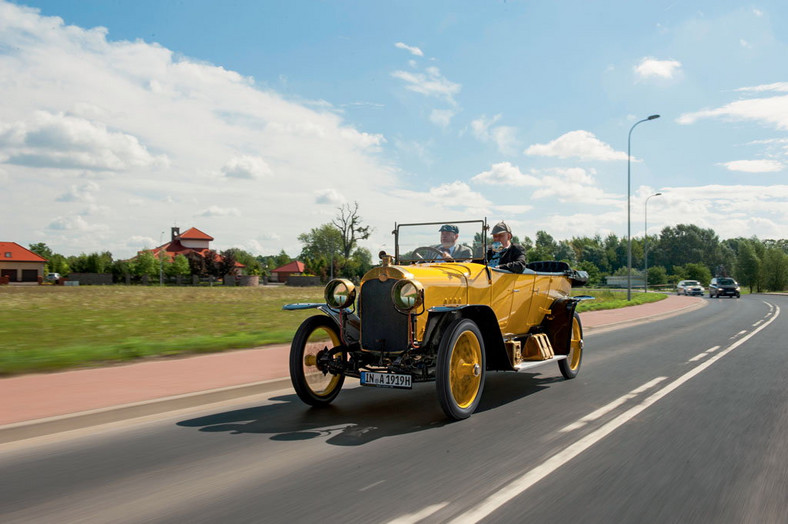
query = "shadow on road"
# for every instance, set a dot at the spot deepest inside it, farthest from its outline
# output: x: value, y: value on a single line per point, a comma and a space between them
x: 361, y: 415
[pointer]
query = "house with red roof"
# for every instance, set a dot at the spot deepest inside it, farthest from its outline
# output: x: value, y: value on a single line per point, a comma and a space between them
x: 18, y: 264
x: 189, y: 243
x: 281, y: 274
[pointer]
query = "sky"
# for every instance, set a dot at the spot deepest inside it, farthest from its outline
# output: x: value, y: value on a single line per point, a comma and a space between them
x: 255, y: 121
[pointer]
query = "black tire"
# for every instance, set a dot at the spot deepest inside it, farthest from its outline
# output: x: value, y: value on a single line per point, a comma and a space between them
x: 460, y: 372
x: 312, y: 385
x: 570, y: 367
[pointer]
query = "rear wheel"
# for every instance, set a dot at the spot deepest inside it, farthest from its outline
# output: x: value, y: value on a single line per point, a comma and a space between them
x: 570, y: 367
x: 460, y: 372
x: 314, y: 384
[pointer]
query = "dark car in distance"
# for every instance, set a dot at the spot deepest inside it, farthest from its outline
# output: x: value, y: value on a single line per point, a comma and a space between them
x: 724, y: 287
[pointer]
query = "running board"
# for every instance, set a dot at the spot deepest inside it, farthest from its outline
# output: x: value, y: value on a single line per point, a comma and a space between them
x: 528, y: 364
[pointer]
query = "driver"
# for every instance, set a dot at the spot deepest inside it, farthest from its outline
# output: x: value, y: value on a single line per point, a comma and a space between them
x: 449, y: 246
x: 503, y: 254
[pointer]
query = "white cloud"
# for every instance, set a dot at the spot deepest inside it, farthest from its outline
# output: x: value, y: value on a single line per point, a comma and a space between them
x: 68, y: 142
x: 754, y: 166
x: 780, y: 87
x: 216, y: 211
x: 329, y: 196
x: 653, y: 68
x: 412, y: 50
x: 577, y: 144
x: 83, y: 193
x: 75, y: 223
x: 455, y: 194
x: 511, y: 210
x: 771, y: 110
x: 442, y: 117
x: 573, y: 184
x: 431, y: 83
x: 504, y: 173
x: 246, y: 167
x: 503, y: 136
x: 728, y: 210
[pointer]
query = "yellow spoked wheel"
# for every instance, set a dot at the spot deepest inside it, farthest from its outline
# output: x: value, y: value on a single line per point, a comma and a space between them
x: 460, y: 371
x: 571, y: 366
x: 312, y: 382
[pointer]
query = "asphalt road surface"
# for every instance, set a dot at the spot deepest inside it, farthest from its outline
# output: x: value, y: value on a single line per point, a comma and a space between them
x: 680, y: 420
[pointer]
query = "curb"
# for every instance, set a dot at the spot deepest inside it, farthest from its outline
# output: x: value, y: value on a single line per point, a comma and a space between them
x: 84, y: 419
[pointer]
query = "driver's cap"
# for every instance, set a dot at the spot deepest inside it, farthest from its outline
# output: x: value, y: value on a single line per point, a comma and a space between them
x: 450, y: 227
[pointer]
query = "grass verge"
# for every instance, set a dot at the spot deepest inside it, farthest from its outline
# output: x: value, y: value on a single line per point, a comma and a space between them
x: 606, y: 299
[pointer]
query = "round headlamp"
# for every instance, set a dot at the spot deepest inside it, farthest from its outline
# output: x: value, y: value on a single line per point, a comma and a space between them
x: 340, y: 293
x: 407, y: 295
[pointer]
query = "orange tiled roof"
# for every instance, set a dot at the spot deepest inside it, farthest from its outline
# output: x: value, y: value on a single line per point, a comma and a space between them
x: 194, y: 234
x: 13, y: 252
x: 293, y: 267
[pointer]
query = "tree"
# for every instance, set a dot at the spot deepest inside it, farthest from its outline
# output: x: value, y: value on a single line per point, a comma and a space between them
x: 348, y: 222
x: 42, y: 250
x: 594, y: 276
x: 748, y: 266
x: 179, y: 266
x: 212, y: 264
x: 252, y: 265
x: 566, y: 252
x: 227, y: 262
x: 691, y: 271
x: 91, y: 263
x: 544, y: 249
x: 775, y: 269
x: 146, y: 263
x: 197, y: 265
x: 322, y: 242
x: 58, y: 264
x: 657, y: 276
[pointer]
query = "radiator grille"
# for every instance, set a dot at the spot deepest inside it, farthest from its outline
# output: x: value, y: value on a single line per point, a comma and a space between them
x: 383, y: 328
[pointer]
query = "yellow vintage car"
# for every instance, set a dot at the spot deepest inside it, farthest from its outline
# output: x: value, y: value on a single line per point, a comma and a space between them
x: 423, y: 316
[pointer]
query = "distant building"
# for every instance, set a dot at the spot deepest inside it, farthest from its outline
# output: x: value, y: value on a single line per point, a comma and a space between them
x: 18, y: 264
x: 281, y: 274
x: 191, y: 242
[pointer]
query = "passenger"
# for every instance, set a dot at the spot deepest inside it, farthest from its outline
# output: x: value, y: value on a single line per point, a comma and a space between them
x: 503, y: 254
x: 449, y: 247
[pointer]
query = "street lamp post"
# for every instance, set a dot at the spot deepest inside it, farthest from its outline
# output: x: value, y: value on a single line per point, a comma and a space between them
x: 629, y: 191
x: 645, y: 243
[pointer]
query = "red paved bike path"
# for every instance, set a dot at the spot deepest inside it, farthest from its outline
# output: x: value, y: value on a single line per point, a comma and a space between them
x: 30, y: 398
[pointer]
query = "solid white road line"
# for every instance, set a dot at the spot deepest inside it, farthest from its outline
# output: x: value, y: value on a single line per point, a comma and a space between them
x: 604, y: 410
x: 421, y: 515
x: 521, y: 484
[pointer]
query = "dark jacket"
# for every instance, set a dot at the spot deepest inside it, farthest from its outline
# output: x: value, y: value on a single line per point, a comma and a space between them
x: 512, y: 258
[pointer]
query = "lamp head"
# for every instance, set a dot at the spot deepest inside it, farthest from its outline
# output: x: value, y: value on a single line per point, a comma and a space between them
x: 652, y: 117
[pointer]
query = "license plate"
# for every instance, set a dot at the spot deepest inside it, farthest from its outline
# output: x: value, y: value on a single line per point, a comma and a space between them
x: 386, y: 380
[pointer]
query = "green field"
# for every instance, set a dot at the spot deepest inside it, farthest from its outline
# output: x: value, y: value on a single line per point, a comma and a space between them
x: 52, y: 327
x: 45, y: 328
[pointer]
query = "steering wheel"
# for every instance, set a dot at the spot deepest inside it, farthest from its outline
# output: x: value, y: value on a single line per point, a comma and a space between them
x: 431, y: 253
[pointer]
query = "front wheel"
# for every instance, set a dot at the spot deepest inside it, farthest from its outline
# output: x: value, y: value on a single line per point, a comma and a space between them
x: 570, y: 366
x: 312, y: 382
x: 460, y: 371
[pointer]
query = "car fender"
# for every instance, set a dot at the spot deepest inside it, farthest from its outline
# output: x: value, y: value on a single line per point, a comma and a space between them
x: 348, y: 331
x: 558, y: 325
x: 440, y: 317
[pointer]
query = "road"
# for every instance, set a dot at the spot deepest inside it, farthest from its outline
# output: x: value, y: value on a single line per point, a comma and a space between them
x: 680, y: 420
